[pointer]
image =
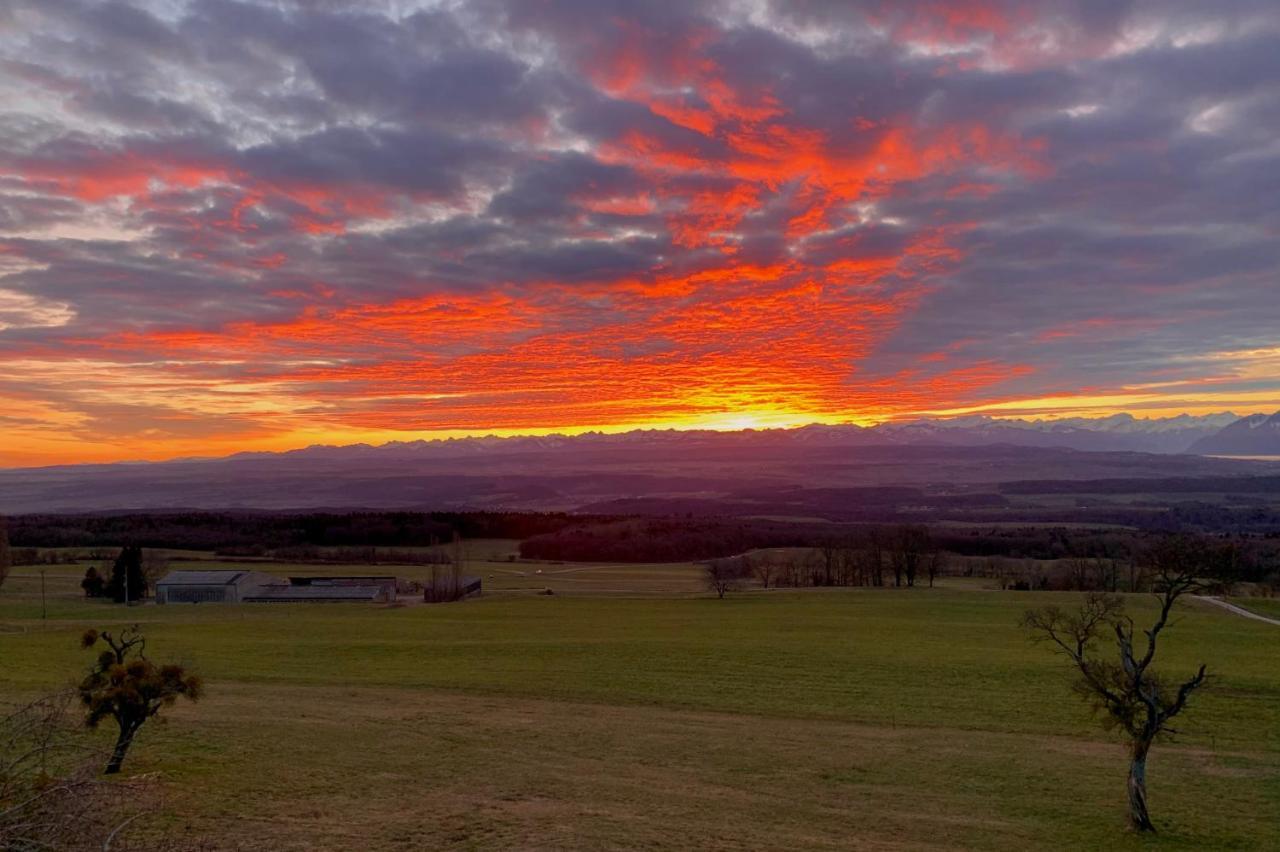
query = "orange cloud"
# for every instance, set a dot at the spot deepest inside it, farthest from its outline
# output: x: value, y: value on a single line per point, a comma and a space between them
x: 746, y: 266
x: 106, y: 176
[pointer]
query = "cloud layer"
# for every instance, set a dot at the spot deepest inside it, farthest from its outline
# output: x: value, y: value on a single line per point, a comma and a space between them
x: 230, y: 225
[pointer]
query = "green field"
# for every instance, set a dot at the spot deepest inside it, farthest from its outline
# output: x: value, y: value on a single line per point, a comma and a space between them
x: 628, y: 710
x: 1270, y: 607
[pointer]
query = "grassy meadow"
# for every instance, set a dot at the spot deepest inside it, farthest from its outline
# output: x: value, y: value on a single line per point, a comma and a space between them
x: 631, y: 710
x: 1270, y: 607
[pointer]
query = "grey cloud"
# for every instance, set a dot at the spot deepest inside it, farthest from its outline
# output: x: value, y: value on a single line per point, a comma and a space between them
x: 1137, y: 216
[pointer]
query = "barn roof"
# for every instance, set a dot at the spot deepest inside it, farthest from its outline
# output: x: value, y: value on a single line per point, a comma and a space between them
x: 284, y: 594
x: 201, y: 578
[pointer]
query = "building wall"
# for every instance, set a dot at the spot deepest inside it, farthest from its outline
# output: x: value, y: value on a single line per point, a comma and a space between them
x: 256, y: 586
x: 196, y: 594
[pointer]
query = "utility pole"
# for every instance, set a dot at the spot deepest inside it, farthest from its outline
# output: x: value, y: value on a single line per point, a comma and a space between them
x: 44, y: 609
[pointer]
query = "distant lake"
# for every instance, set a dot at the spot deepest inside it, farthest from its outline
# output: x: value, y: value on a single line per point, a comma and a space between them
x: 1249, y: 458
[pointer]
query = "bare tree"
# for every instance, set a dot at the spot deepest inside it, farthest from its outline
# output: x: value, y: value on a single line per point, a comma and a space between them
x: 447, y: 583
x: 995, y: 567
x: 50, y: 797
x: 722, y: 575
x: 1079, y: 566
x: 1137, y: 575
x: 793, y: 567
x: 935, y: 563
x: 47, y: 790
x: 1032, y: 576
x: 1097, y: 573
x: 1126, y: 692
x: 457, y: 562
x: 830, y: 552
x: 911, y: 544
x: 847, y: 573
x: 873, y: 556
x: 762, y: 566
x: 1105, y: 574
x: 155, y: 564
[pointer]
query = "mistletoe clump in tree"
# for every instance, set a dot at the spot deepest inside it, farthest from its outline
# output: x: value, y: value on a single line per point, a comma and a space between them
x: 127, y: 687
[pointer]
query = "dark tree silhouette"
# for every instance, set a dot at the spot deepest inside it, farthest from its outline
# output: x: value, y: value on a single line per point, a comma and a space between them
x: 6, y: 555
x: 128, y: 579
x: 1126, y: 692
x: 126, y: 686
x: 93, y: 584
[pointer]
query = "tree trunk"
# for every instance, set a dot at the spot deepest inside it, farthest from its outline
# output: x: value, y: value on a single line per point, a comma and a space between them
x: 1139, y: 819
x: 121, y: 749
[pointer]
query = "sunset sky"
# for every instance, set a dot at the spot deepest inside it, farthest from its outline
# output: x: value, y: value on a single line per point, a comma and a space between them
x: 229, y: 226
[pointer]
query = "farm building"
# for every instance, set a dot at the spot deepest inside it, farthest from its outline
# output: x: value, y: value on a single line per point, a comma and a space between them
x: 327, y: 590
x: 389, y: 584
x: 210, y: 586
x: 222, y: 586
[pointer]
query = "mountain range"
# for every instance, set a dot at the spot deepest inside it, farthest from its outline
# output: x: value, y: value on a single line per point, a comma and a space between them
x: 1255, y: 435
x: 959, y: 457
x: 1116, y: 433
x: 1119, y: 432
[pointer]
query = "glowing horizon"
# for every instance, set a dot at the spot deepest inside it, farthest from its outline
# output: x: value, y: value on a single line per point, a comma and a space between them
x: 241, y: 227
x: 729, y: 423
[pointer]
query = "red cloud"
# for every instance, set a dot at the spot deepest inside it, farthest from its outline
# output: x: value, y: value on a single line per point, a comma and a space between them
x: 717, y: 328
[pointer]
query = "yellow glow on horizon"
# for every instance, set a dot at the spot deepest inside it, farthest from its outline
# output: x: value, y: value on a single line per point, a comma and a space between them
x: 1160, y: 405
x: 64, y: 438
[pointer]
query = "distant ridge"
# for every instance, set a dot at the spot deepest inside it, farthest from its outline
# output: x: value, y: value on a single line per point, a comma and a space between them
x: 1118, y: 432
x: 664, y: 468
x: 1114, y: 433
x: 1255, y: 435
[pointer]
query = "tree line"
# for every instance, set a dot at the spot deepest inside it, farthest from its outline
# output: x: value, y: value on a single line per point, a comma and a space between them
x: 907, y: 554
x: 899, y: 555
x: 255, y: 533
